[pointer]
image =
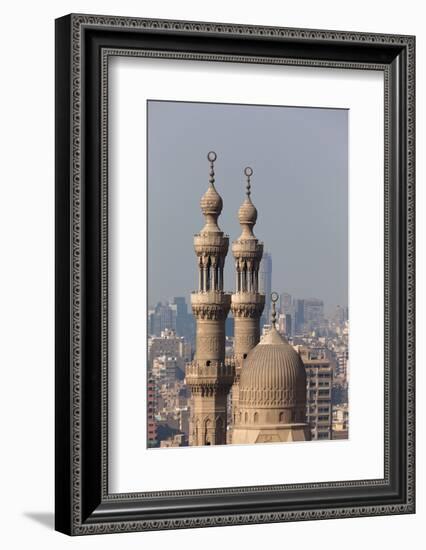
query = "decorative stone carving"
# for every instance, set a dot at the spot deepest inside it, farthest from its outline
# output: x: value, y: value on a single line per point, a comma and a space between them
x: 209, y: 377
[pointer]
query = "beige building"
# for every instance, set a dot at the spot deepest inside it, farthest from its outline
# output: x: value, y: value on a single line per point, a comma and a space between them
x: 319, y: 377
x: 341, y: 421
x: 168, y: 343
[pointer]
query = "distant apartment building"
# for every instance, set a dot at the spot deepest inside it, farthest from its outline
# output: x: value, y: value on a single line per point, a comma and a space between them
x: 309, y: 315
x: 342, y: 360
x: 341, y: 314
x: 340, y: 421
x: 168, y: 343
x: 151, y: 408
x: 313, y: 314
x: 165, y: 370
x: 319, y: 381
x: 177, y: 440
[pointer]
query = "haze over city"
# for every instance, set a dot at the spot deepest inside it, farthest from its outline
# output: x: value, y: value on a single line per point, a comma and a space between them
x: 250, y: 366
x: 300, y: 187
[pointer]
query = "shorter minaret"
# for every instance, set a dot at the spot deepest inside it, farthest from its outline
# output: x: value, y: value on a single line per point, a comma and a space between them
x: 272, y: 399
x: 247, y: 303
x: 208, y: 376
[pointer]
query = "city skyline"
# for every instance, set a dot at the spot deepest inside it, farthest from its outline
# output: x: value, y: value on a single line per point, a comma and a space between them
x: 306, y: 314
x: 278, y: 379
x: 329, y: 310
x: 309, y: 259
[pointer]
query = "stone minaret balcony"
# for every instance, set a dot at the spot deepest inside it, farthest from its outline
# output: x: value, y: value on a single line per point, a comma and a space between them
x: 203, y: 377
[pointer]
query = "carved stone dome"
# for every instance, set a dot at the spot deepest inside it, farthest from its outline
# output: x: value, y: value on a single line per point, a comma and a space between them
x: 247, y: 214
x: 211, y: 202
x: 273, y: 375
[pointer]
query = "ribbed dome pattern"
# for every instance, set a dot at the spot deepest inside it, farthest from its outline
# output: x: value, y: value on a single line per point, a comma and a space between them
x: 273, y: 375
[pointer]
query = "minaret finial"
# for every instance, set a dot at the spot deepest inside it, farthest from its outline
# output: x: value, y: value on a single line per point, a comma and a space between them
x: 211, y: 156
x: 274, y: 299
x: 248, y: 172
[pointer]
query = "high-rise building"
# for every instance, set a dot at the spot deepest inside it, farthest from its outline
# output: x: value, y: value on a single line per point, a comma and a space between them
x: 319, y: 382
x: 208, y: 375
x: 185, y: 325
x: 299, y: 316
x: 286, y: 303
x: 151, y: 407
x: 341, y: 314
x: 313, y: 313
x: 284, y: 324
x: 265, y: 284
x: 288, y: 324
x: 309, y: 315
x: 161, y: 318
x: 247, y: 302
x: 181, y: 307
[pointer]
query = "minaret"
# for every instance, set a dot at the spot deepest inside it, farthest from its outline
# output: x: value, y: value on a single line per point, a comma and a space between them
x: 208, y: 376
x: 247, y: 303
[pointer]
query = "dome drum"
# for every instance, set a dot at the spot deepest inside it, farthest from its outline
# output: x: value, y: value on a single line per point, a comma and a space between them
x: 268, y: 418
x: 272, y: 393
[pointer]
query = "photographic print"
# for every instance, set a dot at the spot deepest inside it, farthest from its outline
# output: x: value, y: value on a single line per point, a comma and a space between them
x: 248, y: 319
x: 234, y: 274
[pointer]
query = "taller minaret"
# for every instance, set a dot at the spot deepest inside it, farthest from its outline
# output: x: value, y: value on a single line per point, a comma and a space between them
x: 247, y: 302
x: 208, y: 376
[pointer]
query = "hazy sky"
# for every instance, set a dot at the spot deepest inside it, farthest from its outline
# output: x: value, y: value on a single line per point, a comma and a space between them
x: 300, y: 188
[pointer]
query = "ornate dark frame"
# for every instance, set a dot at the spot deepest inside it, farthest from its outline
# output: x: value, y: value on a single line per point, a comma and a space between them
x: 83, y: 46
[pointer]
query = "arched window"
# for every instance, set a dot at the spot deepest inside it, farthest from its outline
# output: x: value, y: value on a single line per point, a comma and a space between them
x: 209, y: 265
x: 207, y: 425
x: 281, y: 417
x: 246, y: 417
x: 255, y: 418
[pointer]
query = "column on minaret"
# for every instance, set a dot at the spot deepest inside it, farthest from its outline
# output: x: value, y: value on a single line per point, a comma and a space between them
x: 247, y: 302
x: 209, y: 376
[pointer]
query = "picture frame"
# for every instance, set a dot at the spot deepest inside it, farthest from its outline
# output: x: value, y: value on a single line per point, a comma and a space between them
x: 84, y: 44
